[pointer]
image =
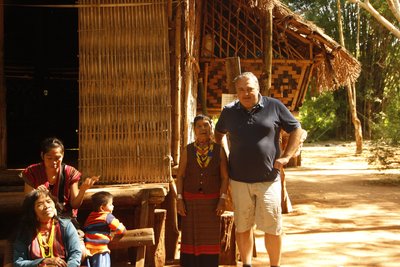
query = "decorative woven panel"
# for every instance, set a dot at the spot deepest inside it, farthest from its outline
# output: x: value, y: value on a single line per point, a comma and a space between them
x: 286, y: 81
x: 124, y: 91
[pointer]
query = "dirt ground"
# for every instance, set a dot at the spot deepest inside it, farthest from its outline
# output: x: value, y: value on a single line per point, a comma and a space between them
x: 346, y: 211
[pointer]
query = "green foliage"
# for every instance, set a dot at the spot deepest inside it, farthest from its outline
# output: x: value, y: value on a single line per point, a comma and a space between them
x: 377, y: 88
x: 388, y: 126
x: 318, y: 117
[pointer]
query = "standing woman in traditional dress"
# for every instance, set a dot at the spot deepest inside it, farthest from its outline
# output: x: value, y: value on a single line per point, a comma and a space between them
x: 202, y: 184
x: 60, y: 179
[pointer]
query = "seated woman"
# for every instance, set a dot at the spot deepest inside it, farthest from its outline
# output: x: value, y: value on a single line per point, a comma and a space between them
x: 43, y: 238
x: 60, y: 179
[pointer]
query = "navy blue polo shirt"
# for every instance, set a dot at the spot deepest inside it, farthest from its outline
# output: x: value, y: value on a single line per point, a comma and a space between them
x: 254, y: 138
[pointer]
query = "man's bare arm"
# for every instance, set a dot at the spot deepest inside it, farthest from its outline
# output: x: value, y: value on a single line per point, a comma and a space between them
x: 291, y: 148
x: 220, y: 138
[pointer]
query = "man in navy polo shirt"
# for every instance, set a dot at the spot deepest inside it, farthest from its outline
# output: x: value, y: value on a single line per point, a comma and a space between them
x: 253, y: 124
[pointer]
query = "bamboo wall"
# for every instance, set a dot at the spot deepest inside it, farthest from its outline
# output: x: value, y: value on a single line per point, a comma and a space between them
x: 124, y: 101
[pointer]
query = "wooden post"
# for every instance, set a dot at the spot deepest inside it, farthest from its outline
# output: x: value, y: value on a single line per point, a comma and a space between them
x: 203, y: 97
x: 171, y: 223
x: 228, y: 253
x: 176, y: 137
x: 169, y: 10
x: 232, y: 68
x: 155, y: 253
x: 285, y: 200
x: 267, y: 37
x: 205, y: 82
x: 3, y: 123
x: 144, y: 221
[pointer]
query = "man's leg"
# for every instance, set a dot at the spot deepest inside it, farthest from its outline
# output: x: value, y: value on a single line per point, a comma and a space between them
x: 273, y: 244
x: 245, y: 244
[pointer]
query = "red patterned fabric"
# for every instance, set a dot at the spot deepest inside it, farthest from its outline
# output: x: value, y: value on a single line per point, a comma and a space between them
x: 35, y: 175
x: 200, y: 241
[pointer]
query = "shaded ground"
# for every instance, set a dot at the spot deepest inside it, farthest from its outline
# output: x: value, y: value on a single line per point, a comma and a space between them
x: 346, y: 212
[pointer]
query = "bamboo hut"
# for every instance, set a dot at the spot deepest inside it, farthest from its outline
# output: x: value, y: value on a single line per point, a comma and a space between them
x: 141, y: 65
x: 301, y: 56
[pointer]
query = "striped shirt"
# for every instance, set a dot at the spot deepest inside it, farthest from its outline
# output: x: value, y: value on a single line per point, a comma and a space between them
x: 100, y: 227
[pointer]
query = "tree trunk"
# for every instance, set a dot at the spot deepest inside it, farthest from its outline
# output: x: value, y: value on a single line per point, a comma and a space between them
x: 381, y: 19
x: 340, y: 24
x: 394, y: 6
x: 356, y: 122
x: 350, y: 88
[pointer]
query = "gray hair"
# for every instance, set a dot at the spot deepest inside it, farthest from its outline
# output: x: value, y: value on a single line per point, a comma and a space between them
x: 247, y: 75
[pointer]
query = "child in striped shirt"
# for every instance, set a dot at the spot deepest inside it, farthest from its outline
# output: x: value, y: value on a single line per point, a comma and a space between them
x: 100, y: 227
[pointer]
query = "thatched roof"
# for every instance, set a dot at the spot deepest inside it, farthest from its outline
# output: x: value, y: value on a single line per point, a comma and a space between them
x: 334, y: 65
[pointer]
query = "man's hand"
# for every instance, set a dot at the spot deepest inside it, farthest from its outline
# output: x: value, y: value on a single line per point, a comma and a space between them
x: 279, y: 163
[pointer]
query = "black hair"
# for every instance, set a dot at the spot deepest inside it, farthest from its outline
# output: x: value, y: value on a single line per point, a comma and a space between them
x: 50, y: 143
x: 201, y: 117
x: 29, y: 219
x: 100, y: 198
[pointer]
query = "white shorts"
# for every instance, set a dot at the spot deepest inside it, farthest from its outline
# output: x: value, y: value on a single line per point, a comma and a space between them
x: 257, y: 204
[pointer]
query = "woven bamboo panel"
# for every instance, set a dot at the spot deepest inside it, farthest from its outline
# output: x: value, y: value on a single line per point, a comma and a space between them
x: 232, y: 28
x: 124, y: 91
x: 287, y: 80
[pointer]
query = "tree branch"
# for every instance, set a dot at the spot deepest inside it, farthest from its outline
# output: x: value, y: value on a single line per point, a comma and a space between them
x: 394, y: 5
x: 382, y: 20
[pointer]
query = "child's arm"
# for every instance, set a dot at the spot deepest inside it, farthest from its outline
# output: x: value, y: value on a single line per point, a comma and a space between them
x: 115, y: 225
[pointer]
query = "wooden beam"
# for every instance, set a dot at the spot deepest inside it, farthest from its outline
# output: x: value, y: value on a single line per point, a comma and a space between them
x: 267, y: 69
x: 177, y: 92
x: 232, y: 68
x: 124, y: 195
x: 133, y: 238
x: 258, y: 61
x: 203, y: 97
